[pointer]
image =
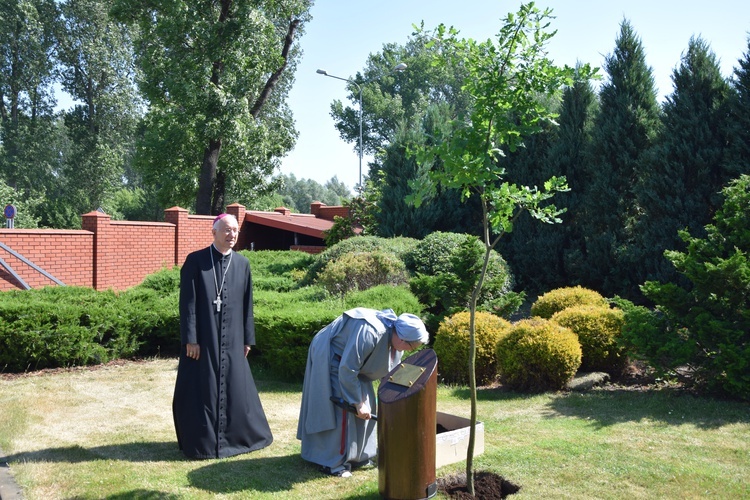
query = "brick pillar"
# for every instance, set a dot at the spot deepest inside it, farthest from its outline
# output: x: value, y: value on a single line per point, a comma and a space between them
x: 179, y: 217
x: 239, y: 213
x: 315, y: 207
x: 103, y: 253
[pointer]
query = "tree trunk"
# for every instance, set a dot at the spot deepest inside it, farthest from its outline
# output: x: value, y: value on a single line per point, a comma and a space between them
x: 203, y: 203
x: 219, y: 197
x: 212, y: 183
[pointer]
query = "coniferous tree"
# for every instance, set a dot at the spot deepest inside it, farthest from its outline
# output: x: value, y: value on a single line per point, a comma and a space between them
x: 533, y: 250
x: 444, y: 211
x: 680, y: 189
x: 570, y: 155
x: 738, y: 151
x: 624, y: 131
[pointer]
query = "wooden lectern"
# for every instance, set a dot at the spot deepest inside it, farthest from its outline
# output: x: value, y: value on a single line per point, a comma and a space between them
x: 407, y: 429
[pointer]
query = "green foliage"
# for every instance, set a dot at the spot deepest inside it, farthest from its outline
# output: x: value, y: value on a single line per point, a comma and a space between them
x: 709, y: 318
x: 538, y: 355
x: 363, y: 211
x: 397, y: 246
x: 451, y: 344
x: 299, y: 194
x: 690, y: 154
x: 62, y: 326
x: 624, y: 131
x: 278, y: 270
x: 556, y: 300
x: 217, y: 121
x: 362, y: 270
x: 648, y: 336
x: 342, y: 229
x: 164, y: 282
x: 598, y: 329
x: 446, y: 267
x: 506, y: 80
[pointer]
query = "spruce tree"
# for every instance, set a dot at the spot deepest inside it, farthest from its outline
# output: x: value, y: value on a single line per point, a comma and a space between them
x: 444, y: 211
x: 570, y: 155
x: 624, y: 130
x: 680, y: 188
x: 738, y: 154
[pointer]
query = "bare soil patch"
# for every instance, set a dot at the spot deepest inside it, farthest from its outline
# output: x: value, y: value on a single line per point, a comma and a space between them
x: 487, y: 486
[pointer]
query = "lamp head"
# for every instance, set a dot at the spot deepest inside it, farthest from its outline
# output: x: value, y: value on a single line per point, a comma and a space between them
x: 400, y: 67
x: 322, y: 72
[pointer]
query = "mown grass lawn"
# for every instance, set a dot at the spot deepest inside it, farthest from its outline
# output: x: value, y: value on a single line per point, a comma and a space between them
x: 107, y: 433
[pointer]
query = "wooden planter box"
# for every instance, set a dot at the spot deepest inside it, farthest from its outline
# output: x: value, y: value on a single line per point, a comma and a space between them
x: 452, y: 445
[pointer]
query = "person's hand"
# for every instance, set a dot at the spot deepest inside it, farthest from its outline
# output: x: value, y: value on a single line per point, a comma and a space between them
x: 247, y: 350
x: 193, y: 351
x: 363, y: 411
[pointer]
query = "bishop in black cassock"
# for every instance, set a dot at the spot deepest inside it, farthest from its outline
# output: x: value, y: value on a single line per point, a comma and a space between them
x: 216, y: 408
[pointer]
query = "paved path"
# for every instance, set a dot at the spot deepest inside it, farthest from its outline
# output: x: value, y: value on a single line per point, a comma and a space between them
x: 9, y: 490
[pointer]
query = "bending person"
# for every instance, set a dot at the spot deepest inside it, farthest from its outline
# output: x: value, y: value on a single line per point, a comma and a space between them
x: 344, y: 358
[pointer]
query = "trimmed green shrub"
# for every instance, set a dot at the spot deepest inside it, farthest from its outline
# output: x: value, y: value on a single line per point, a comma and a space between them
x: 538, y: 355
x: 279, y: 270
x: 451, y: 345
x: 557, y: 300
x: 154, y: 319
x: 62, y: 326
x: 362, y: 270
x: 446, y: 267
x: 397, y: 246
x: 398, y: 298
x: 164, y: 282
x: 598, y: 329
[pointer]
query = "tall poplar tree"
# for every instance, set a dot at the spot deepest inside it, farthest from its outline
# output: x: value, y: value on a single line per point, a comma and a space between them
x: 680, y: 189
x: 96, y: 67
x: 216, y: 75
x: 29, y: 133
x: 624, y: 131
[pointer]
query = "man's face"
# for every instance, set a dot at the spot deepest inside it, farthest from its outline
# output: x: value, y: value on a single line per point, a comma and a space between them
x: 225, y: 234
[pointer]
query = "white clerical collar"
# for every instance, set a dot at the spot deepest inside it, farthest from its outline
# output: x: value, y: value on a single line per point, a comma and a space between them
x: 222, y: 253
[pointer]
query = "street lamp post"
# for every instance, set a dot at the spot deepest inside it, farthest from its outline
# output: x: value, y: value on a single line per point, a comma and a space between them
x: 399, y: 67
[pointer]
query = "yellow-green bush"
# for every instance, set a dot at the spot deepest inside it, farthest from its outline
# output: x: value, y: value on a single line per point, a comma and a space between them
x: 561, y: 298
x: 538, y: 355
x: 452, y: 346
x: 598, y: 329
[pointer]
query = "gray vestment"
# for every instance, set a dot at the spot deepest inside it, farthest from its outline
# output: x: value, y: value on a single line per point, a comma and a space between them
x: 344, y: 359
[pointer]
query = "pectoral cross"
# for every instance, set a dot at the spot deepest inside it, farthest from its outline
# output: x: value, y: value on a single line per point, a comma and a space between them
x: 218, y: 304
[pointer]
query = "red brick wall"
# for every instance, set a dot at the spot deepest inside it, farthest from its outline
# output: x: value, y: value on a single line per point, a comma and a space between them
x: 66, y: 255
x: 106, y: 253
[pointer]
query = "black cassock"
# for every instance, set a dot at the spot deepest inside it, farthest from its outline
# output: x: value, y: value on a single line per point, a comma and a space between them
x: 216, y: 408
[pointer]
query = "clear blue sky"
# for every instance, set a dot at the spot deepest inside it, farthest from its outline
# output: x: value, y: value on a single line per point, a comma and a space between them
x: 343, y: 33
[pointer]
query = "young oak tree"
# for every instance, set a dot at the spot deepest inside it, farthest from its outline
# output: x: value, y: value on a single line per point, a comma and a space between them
x: 507, y: 79
x: 216, y: 74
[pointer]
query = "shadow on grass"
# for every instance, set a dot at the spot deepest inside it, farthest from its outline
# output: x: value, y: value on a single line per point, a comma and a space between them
x: 669, y: 407
x: 269, y: 474
x: 129, y: 452
x: 144, y: 495
x: 609, y: 407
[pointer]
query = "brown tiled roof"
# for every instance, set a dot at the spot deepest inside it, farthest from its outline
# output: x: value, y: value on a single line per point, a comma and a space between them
x: 306, y: 224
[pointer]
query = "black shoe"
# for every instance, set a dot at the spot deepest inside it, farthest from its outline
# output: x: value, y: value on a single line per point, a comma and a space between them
x: 339, y: 473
